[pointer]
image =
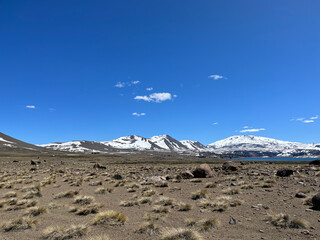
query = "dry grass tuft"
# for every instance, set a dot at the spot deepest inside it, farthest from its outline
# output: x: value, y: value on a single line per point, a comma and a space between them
x: 92, y: 208
x: 110, y: 218
x: 283, y: 221
x: 62, y: 233
x: 35, y: 211
x: 10, y: 195
x: 18, y: 224
x: 160, y: 209
x: 164, y: 201
x: 68, y: 194
x: 231, y: 191
x: 180, y: 234
x: 144, y: 200
x: 200, y: 194
x: 102, y: 190
x: 148, y: 228
x: 83, y: 200
x: 203, y: 224
x: 130, y: 203
x: 103, y: 237
x: 184, y: 206
x: 210, y: 185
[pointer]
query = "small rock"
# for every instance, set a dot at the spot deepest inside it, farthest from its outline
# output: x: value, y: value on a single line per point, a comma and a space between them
x: 232, y: 221
x: 300, y: 195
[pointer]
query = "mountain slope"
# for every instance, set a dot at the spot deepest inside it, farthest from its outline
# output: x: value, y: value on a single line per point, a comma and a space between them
x: 7, y: 142
x: 263, y: 146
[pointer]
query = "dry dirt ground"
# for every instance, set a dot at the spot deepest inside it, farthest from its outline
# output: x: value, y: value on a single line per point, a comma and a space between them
x: 67, y: 198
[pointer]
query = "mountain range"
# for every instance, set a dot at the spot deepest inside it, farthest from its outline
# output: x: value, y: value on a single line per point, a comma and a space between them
x: 234, y: 146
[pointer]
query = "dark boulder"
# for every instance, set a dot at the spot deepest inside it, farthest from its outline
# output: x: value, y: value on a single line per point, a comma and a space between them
x: 316, y: 201
x: 284, y: 172
x: 315, y: 162
x: 33, y: 162
x: 229, y: 166
x: 186, y: 175
x: 117, y: 176
x: 98, y: 166
x: 203, y: 171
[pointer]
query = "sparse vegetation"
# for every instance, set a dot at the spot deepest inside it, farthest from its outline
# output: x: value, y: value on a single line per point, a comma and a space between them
x: 62, y: 232
x: 180, y: 234
x: 110, y: 218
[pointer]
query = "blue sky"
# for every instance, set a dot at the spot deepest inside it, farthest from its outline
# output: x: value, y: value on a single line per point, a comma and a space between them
x: 199, y: 70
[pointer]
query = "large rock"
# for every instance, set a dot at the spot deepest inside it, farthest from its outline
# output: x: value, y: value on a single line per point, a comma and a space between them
x: 203, y: 171
x: 284, y: 172
x: 186, y: 175
x: 316, y: 201
x: 229, y: 166
x: 315, y: 162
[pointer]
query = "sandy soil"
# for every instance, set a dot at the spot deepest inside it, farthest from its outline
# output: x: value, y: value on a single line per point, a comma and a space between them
x: 256, y: 189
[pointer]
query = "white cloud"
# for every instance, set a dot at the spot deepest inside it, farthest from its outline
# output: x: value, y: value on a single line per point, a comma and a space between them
x: 155, y: 97
x: 306, y: 120
x: 216, y: 77
x: 215, y: 123
x: 252, y: 130
x: 120, y: 84
x: 126, y: 84
x: 246, y: 127
x: 31, y: 106
x: 138, y: 114
x: 149, y: 89
x: 144, y: 98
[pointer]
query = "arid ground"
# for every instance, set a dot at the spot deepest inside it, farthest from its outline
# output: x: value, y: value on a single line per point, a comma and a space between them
x: 144, y: 197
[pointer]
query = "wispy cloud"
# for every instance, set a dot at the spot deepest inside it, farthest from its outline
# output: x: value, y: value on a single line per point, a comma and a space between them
x: 252, y: 130
x: 31, y: 106
x: 149, y: 89
x: 306, y: 120
x: 216, y: 76
x: 215, y: 123
x: 156, y: 97
x: 138, y: 114
x: 126, y: 84
x: 120, y: 84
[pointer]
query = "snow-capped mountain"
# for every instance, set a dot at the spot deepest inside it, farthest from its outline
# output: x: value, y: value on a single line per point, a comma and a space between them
x: 235, y: 146
x: 262, y: 146
x: 132, y: 142
x: 195, y: 146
